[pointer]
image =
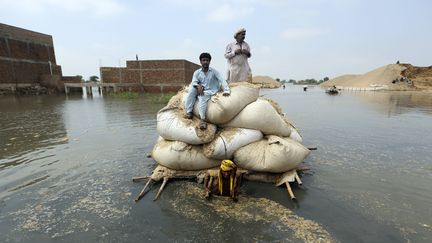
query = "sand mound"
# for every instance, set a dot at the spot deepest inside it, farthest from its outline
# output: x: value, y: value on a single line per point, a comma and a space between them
x: 421, y: 77
x: 266, y: 82
x: 380, y: 77
x: 389, y: 77
x: 343, y: 80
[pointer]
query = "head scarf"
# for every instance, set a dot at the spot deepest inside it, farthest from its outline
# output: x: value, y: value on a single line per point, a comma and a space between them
x: 228, y: 165
x: 239, y: 31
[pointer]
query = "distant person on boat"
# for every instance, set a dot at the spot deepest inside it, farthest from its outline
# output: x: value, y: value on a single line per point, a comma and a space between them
x: 305, y: 87
x: 237, y: 54
x: 332, y: 90
x: 206, y: 82
x: 227, y: 182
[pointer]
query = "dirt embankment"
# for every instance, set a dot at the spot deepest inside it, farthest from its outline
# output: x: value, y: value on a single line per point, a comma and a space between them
x: 266, y: 82
x: 388, y: 77
x: 420, y: 76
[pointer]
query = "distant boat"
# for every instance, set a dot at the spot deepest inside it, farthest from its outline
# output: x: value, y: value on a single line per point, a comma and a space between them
x: 332, y: 91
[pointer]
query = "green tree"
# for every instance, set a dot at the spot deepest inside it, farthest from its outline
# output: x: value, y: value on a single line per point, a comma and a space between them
x: 326, y: 79
x: 94, y: 78
x: 81, y: 78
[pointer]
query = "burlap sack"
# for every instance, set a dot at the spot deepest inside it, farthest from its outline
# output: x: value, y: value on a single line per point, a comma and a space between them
x: 221, y: 109
x: 271, y: 154
x: 181, y: 156
x: 261, y: 115
x: 171, y: 125
x: 228, y: 140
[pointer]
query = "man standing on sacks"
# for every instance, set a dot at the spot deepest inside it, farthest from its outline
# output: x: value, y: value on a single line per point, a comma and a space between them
x: 206, y: 82
x: 237, y: 54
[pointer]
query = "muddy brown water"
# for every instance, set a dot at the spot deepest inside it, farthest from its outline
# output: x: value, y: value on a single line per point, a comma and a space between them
x: 66, y: 165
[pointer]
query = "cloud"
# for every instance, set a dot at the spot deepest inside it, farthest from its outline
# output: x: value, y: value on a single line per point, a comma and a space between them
x: 264, y: 49
x: 186, y: 48
x: 301, y: 33
x: 227, y: 13
x: 96, y: 7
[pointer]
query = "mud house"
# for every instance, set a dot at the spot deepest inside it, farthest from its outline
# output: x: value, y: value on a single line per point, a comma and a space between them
x: 155, y: 76
x: 27, y: 59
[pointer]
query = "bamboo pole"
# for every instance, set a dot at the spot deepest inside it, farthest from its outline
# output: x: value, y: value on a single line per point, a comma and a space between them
x: 143, y: 191
x: 298, y: 178
x: 165, y: 179
x: 139, y: 178
x: 290, y: 192
x: 208, y: 187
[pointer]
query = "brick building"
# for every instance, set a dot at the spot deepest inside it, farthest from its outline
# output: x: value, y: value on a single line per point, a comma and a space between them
x: 28, y: 58
x: 154, y: 76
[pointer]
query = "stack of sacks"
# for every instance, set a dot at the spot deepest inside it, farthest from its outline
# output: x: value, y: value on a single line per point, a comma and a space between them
x: 250, y: 130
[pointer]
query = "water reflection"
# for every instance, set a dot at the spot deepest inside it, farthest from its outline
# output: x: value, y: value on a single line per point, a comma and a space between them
x: 397, y: 103
x: 29, y: 124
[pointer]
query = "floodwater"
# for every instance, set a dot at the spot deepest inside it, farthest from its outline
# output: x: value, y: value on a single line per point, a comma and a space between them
x: 66, y: 165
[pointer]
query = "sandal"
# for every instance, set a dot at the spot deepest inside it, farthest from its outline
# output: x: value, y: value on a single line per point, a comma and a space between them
x: 202, y: 125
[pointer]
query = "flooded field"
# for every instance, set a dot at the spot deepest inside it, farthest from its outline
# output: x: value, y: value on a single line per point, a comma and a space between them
x: 66, y: 165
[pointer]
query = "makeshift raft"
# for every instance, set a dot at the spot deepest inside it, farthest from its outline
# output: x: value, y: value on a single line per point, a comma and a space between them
x: 164, y: 174
x: 248, y: 129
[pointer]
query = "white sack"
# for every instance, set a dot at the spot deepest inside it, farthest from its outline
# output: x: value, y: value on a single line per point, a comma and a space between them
x: 295, y: 135
x: 172, y: 125
x: 271, y: 154
x: 261, y: 115
x: 229, y: 140
x: 221, y: 109
x: 177, y: 155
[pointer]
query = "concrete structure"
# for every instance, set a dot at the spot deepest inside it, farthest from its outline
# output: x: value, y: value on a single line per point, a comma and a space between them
x: 155, y: 76
x: 27, y: 59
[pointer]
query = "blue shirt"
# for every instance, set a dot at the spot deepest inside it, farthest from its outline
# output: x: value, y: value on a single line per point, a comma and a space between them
x: 211, y: 81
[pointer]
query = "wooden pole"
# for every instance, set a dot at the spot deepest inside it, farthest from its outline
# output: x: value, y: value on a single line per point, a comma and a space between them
x: 298, y: 178
x: 143, y: 191
x: 165, y: 179
x: 139, y: 178
x: 290, y: 192
x: 208, y: 187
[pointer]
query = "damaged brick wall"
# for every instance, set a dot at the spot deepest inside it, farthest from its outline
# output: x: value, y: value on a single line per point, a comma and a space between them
x: 25, y: 55
x: 154, y: 75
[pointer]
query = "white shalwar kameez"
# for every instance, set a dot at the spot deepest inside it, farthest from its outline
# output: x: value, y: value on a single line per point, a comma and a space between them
x: 238, y: 66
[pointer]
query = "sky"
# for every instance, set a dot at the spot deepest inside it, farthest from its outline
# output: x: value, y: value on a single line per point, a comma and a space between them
x: 289, y: 39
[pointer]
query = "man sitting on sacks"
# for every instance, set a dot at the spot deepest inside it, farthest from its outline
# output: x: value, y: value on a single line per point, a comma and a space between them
x: 206, y: 82
x: 227, y: 183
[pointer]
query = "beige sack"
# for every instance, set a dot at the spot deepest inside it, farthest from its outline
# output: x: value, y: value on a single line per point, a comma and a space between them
x: 261, y: 115
x: 221, y: 109
x: 171, y: 125
x: 228, y: 140
x: 271, y: 154
x: 295, y: 135
x: 178, y: 155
